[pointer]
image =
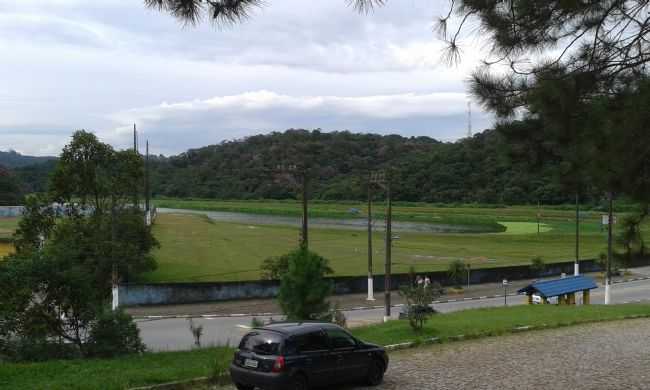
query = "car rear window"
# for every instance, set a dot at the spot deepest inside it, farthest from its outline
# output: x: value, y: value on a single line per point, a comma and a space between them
x: 262, y: 342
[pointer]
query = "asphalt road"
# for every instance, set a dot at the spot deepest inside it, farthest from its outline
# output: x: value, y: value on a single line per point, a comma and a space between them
x: 174, y: 333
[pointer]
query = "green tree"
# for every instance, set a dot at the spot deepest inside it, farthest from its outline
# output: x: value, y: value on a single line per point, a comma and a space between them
x: 59, y: 279
x: 304, y: 288
x: 275, y: 266
x: 418, y: 298
x: 537, y: 265
x: 10, y: 191
x: 456, y: 272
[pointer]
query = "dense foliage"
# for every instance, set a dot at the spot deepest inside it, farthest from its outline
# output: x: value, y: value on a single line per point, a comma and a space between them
x: 70, y: 245
x: 13, y: 159
x: 10, y: 191
x: 477, y: 169
x: 304, y: 288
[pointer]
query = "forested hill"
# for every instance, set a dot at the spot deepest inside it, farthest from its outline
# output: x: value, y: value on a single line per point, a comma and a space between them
x: 12, y: 159
x: 476, y: 169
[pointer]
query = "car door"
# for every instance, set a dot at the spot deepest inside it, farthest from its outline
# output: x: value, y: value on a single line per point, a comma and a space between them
x: 351, y: 361
x: 314, y: 350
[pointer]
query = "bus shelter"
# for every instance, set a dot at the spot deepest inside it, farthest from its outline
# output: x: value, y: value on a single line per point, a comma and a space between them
x: 564, y: 289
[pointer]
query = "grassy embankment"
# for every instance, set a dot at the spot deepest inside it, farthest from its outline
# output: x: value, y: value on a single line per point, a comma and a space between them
x: 402, y: 211
x: 173, y: 366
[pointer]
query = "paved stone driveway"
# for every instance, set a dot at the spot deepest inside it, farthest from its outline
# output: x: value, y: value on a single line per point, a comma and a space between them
x: 606, y: 356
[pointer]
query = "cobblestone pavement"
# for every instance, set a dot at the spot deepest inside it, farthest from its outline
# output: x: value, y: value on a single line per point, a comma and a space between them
x: 606, y: 356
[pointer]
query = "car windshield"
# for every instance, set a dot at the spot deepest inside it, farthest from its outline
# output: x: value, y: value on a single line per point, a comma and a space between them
x: 261, y: 342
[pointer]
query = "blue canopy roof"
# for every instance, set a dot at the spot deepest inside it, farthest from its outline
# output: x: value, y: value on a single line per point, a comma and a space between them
x: 553, y: 288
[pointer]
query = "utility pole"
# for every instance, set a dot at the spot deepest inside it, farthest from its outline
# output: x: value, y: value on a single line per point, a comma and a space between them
x: 608, y: 276
x: 302, y: 176
x: 304, y: 243
x: 136, y: 200
x: 114, y: 275
x: 381, y: 179
x: 539, y: 214
x: 147, y: 188
x: 389, y: 244
x: 371, y: 294
x: 576, y: 266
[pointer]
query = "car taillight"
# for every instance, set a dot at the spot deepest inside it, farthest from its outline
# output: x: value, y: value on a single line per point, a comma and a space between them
x: 278, y: 365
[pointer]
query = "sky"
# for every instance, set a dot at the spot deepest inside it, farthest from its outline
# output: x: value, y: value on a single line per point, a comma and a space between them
x: 103, y: 65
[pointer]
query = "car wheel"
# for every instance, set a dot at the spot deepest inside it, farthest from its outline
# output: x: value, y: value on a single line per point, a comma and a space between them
x: 375, y: 373
x: 299, y: 382
x: 239, y: 386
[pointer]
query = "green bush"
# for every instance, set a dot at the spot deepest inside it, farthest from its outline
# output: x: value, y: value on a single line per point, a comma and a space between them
x: 304, y: 288
x: 456, y: 272
x: 274, y: 267
x: 114, y: 333
x: 36, y: 349
x: 537, y: 265
x: 418, y: 298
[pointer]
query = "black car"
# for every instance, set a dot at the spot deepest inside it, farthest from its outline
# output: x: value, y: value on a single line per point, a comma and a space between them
x: 302, y: 355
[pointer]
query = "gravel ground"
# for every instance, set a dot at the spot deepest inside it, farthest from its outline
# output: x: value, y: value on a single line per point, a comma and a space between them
x: 606, y: 356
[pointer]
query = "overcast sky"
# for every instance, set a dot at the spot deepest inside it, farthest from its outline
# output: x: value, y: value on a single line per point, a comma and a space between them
x: 102, y: 65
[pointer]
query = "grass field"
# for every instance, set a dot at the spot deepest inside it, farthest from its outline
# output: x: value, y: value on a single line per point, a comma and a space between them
x: 195, y: 248
x: 7, y: 227
x: 112, y: 374
x: 163, y: 367
x: 403, y: 211
x: 497, y: 321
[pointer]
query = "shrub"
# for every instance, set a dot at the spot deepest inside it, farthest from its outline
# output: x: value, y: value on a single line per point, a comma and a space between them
x: 537, y: 265
x: 456, y: 272
x: 197, y: 332
x: 36, y: 349
x: 338, y: 317
x: 418, y: 299
x: 220, y: 375
x: 256, y: 322
x: 304, y: 288
x: 274, y: 267
x: 114, y: 333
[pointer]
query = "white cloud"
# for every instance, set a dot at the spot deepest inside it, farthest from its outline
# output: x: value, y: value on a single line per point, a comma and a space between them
x: 209, y: 121
x: 102, y: 65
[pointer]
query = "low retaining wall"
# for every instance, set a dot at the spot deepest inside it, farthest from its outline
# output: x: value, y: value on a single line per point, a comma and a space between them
x: 11, y: 211
x: 179, y: 293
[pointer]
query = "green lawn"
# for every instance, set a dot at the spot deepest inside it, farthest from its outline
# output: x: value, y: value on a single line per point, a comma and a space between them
x: 7, y: 227
x: 163, y: 367
x: 496, y: 321
x: 406, y: 211
x: 108, y: 374
x: 194, y: 248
